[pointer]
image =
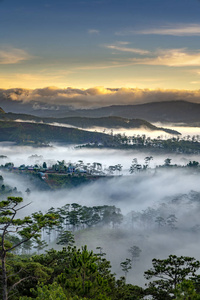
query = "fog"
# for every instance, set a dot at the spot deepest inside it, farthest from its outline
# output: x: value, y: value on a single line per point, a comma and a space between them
x: 142, y: 197
x: 181, y: 128
x: 131, y: 132
x: 184, y: 130
x: 29, y: 156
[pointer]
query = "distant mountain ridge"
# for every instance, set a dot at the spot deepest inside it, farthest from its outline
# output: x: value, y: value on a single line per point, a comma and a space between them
x: 178, y: 111
x: 167, y: 111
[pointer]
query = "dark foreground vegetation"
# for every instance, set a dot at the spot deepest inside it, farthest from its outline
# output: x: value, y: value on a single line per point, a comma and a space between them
x: 74, y: 273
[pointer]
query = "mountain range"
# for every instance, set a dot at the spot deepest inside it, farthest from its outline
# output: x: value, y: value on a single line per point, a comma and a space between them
x: 50, y: 125
x: 179, y: 111
x: 166, y: 112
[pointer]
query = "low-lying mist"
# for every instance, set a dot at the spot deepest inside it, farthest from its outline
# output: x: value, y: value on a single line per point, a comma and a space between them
x: 143, y: 198
x: 184, y: 130
x: 30, y: 155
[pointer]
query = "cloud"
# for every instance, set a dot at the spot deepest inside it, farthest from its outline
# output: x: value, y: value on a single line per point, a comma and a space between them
x: 10, y: 55
x: 113, y: 64
x: 93, y: 31
x: 123, y: 43
x: 196, y: 72
x: 125, y: 49
x: 195, y: 82
x: 161, y: 57
x: 176, y: 30
x: 48, y: 97
x: 172, y: 58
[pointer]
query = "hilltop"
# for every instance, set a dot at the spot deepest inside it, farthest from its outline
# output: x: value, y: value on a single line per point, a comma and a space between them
x: 34, y: 134
x: 86, y: 122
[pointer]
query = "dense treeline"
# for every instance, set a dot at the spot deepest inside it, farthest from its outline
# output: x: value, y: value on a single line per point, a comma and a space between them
x: 187, y: 145
x: 74, y: 273
x: 71, y: 273
x: 76, y: 217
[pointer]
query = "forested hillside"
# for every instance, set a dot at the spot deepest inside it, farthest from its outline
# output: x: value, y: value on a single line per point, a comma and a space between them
x: 89, y: 122
x: 30, y: 133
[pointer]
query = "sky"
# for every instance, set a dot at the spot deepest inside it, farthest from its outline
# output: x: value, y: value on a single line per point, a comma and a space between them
x: 139, y: 44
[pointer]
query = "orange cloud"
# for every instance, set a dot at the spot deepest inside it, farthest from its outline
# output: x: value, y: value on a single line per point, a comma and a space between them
x: 97, y: 96
x: 172, y: 58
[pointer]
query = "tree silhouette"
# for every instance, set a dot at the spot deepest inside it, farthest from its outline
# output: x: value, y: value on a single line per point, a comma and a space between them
x: 135, y: 253
x: 66, y: 238
x: 170, y: 272
x: 27, y: 228
x: 126, y: 266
